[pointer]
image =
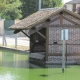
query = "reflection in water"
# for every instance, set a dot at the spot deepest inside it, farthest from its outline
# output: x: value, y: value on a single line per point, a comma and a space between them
x: 8, y: 76
x: 15, y: 66
x: 13, y: 60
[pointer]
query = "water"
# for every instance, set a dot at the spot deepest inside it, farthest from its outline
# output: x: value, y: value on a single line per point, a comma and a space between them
x: 15, y: 66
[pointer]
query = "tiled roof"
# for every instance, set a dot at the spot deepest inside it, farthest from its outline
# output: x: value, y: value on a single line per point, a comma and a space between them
x: 39, y: 17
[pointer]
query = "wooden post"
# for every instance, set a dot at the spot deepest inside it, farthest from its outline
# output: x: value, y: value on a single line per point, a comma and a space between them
x: 16, y: 41
x: 47, y: 43
x: 4, y: 39
x: 61, y: 19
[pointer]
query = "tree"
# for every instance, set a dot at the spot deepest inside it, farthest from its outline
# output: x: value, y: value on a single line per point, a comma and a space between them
x: 2, y: 6
x: 28, y: 7
x: 51, y: 3
x: 19, y: 9
x: 10, y: 9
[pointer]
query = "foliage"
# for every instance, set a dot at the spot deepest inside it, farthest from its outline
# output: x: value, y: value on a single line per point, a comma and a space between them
x: 28, y: 7
x: 51, y: 3
x: 10, y: 9
x: 19, y: 9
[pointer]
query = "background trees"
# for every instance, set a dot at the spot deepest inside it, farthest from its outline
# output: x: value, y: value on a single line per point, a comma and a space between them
x: 51, y: 3
x: 19, y: 9
x: 28, y: 7
x: 9, y: 9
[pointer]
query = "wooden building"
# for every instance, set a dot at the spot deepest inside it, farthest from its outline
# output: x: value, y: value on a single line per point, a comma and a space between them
x: 72, y: 5
x: 44, y: 30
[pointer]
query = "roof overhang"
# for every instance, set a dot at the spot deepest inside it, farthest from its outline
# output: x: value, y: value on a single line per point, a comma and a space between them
x: 25, y: 25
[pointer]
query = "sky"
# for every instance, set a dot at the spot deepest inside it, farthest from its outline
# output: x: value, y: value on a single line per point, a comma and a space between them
x: 66, y: 1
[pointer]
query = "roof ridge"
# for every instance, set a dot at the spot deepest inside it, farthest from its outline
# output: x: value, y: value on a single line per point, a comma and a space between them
x: 55, y: 8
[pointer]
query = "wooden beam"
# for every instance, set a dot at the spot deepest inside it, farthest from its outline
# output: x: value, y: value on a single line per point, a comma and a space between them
x: 70, y: 20
x: 34, y: 31
x: 25, y: 34
x: 68, y: 54
x: 61, y: 19
x: 45, y: 24
x: 41, y: 34
x: 61, y: 44
x: 16, y: 31
x: 54, y: 19
x: 64, y: 26
x: 47, y: 42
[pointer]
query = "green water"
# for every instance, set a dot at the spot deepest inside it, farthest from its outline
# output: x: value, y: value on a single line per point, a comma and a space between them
x: 15, y: 66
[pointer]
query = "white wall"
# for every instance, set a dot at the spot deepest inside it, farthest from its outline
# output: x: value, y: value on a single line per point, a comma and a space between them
x: 69, y: 6
x: 77, y: 5
x: 1, y: 26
